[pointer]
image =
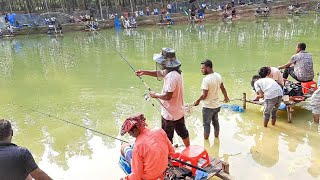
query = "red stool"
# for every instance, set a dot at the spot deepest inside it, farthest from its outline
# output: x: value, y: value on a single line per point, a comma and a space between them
x: 308, y: 87
x: 193, y: 154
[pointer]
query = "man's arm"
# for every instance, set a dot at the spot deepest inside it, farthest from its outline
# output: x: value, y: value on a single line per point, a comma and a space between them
x: 38, y: 174
x: 203, y: 96
x: 149, y: 73
x: 286, y: 65
x: 260, y: 94
x: 224, y: 92
x: 164, y: 96
x: 32, y: 168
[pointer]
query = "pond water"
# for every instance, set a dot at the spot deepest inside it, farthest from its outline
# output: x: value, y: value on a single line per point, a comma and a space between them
x: 45, y: 81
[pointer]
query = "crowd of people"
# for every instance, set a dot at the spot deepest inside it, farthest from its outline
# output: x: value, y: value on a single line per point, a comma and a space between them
x: 262, y: 12
x: 54, y: 26
x: 148, y: 156
x: 129, y: 22
x: 148, y: 142
x: 92, y: 25
x: 9, y: 27
x: 269, y: 85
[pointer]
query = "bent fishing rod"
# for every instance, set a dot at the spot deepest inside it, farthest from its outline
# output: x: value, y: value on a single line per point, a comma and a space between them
x: 125, y: 60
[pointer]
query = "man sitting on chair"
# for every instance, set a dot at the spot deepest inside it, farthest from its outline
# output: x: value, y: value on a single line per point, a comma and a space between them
x: 300, y: 65
x: 149, y: 154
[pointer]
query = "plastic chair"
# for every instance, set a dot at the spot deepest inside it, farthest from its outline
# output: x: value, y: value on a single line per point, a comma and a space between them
x: 193, y: 154
x: 309, y: 87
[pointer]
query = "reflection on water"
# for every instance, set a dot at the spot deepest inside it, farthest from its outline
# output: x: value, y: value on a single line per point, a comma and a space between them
x: 265, y: 151
x: 80, y: 78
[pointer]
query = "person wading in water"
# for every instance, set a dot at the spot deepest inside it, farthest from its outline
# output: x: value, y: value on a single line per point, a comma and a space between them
x: 171, y: 97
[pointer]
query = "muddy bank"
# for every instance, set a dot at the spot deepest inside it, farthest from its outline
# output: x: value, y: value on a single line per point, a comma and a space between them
x: 277, y: 9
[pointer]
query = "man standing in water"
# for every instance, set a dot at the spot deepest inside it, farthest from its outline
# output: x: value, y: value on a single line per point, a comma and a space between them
x: 210, y: 86
x: 271, y: 92
x: 273, y: 73
x: 300, y: 66
x: 171, y: 97
x: 16, y: 162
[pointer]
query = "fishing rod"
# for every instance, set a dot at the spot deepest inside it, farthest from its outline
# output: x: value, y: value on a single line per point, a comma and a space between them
x: 185, y: 163
x: 75, y: 124
x: 121, y: 55
x: 189, y: 107
x: 101, y: 133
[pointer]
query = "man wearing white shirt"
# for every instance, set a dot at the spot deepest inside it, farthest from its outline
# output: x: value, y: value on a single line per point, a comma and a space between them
x: 210, y: 86
x: 271, y: 91
x: 273, y: 73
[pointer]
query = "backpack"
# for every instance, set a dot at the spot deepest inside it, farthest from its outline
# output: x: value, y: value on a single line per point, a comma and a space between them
x: 292, y: 89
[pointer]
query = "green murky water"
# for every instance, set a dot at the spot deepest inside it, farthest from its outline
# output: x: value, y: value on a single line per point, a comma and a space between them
x: 80, y: 78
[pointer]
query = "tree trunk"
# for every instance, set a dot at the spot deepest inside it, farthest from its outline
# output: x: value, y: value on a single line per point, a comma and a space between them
x: 29, y: 6
x: 100, y: 5
x: 85, y: 4
x: 46, y: 3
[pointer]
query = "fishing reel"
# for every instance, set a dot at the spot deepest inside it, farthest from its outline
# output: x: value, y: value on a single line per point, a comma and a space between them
x: 147, y: 97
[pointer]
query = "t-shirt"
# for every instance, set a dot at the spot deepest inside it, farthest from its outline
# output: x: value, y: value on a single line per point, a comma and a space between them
x: 269, y: 87
x: 212, y: 83
x: 150, y: 154
x: 173, y: 109
x: 303, y: 66
x: 15, y: 162
x: 276, y: 75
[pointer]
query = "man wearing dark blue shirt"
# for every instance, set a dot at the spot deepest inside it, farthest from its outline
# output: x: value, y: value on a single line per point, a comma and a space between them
x: 16, y: 163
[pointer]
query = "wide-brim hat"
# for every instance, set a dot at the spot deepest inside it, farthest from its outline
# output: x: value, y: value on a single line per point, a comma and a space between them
x: 167, y: 58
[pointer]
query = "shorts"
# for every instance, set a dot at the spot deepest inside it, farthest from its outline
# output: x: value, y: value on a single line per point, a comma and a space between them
x: 271, y: 107
x: 170, y: 126
x: 210, y: 115
x: 128, y: 153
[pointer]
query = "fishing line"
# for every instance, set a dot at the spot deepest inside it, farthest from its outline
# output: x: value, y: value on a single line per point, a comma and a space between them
x: 75, y: 124
x: 244, y: 71
x: 101, y: 133
x: 118, y: 52
x: 189, y: 107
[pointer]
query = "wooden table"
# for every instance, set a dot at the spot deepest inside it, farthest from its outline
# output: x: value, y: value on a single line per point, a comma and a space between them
x: 289, y: 106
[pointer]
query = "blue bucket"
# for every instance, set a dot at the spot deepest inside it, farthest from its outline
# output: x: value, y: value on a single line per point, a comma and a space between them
x: 124, y: 165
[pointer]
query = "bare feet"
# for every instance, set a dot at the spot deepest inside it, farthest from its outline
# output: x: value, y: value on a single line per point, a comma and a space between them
x: 206, y: 135
x: 216, y: 134
x: 265, y: 123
